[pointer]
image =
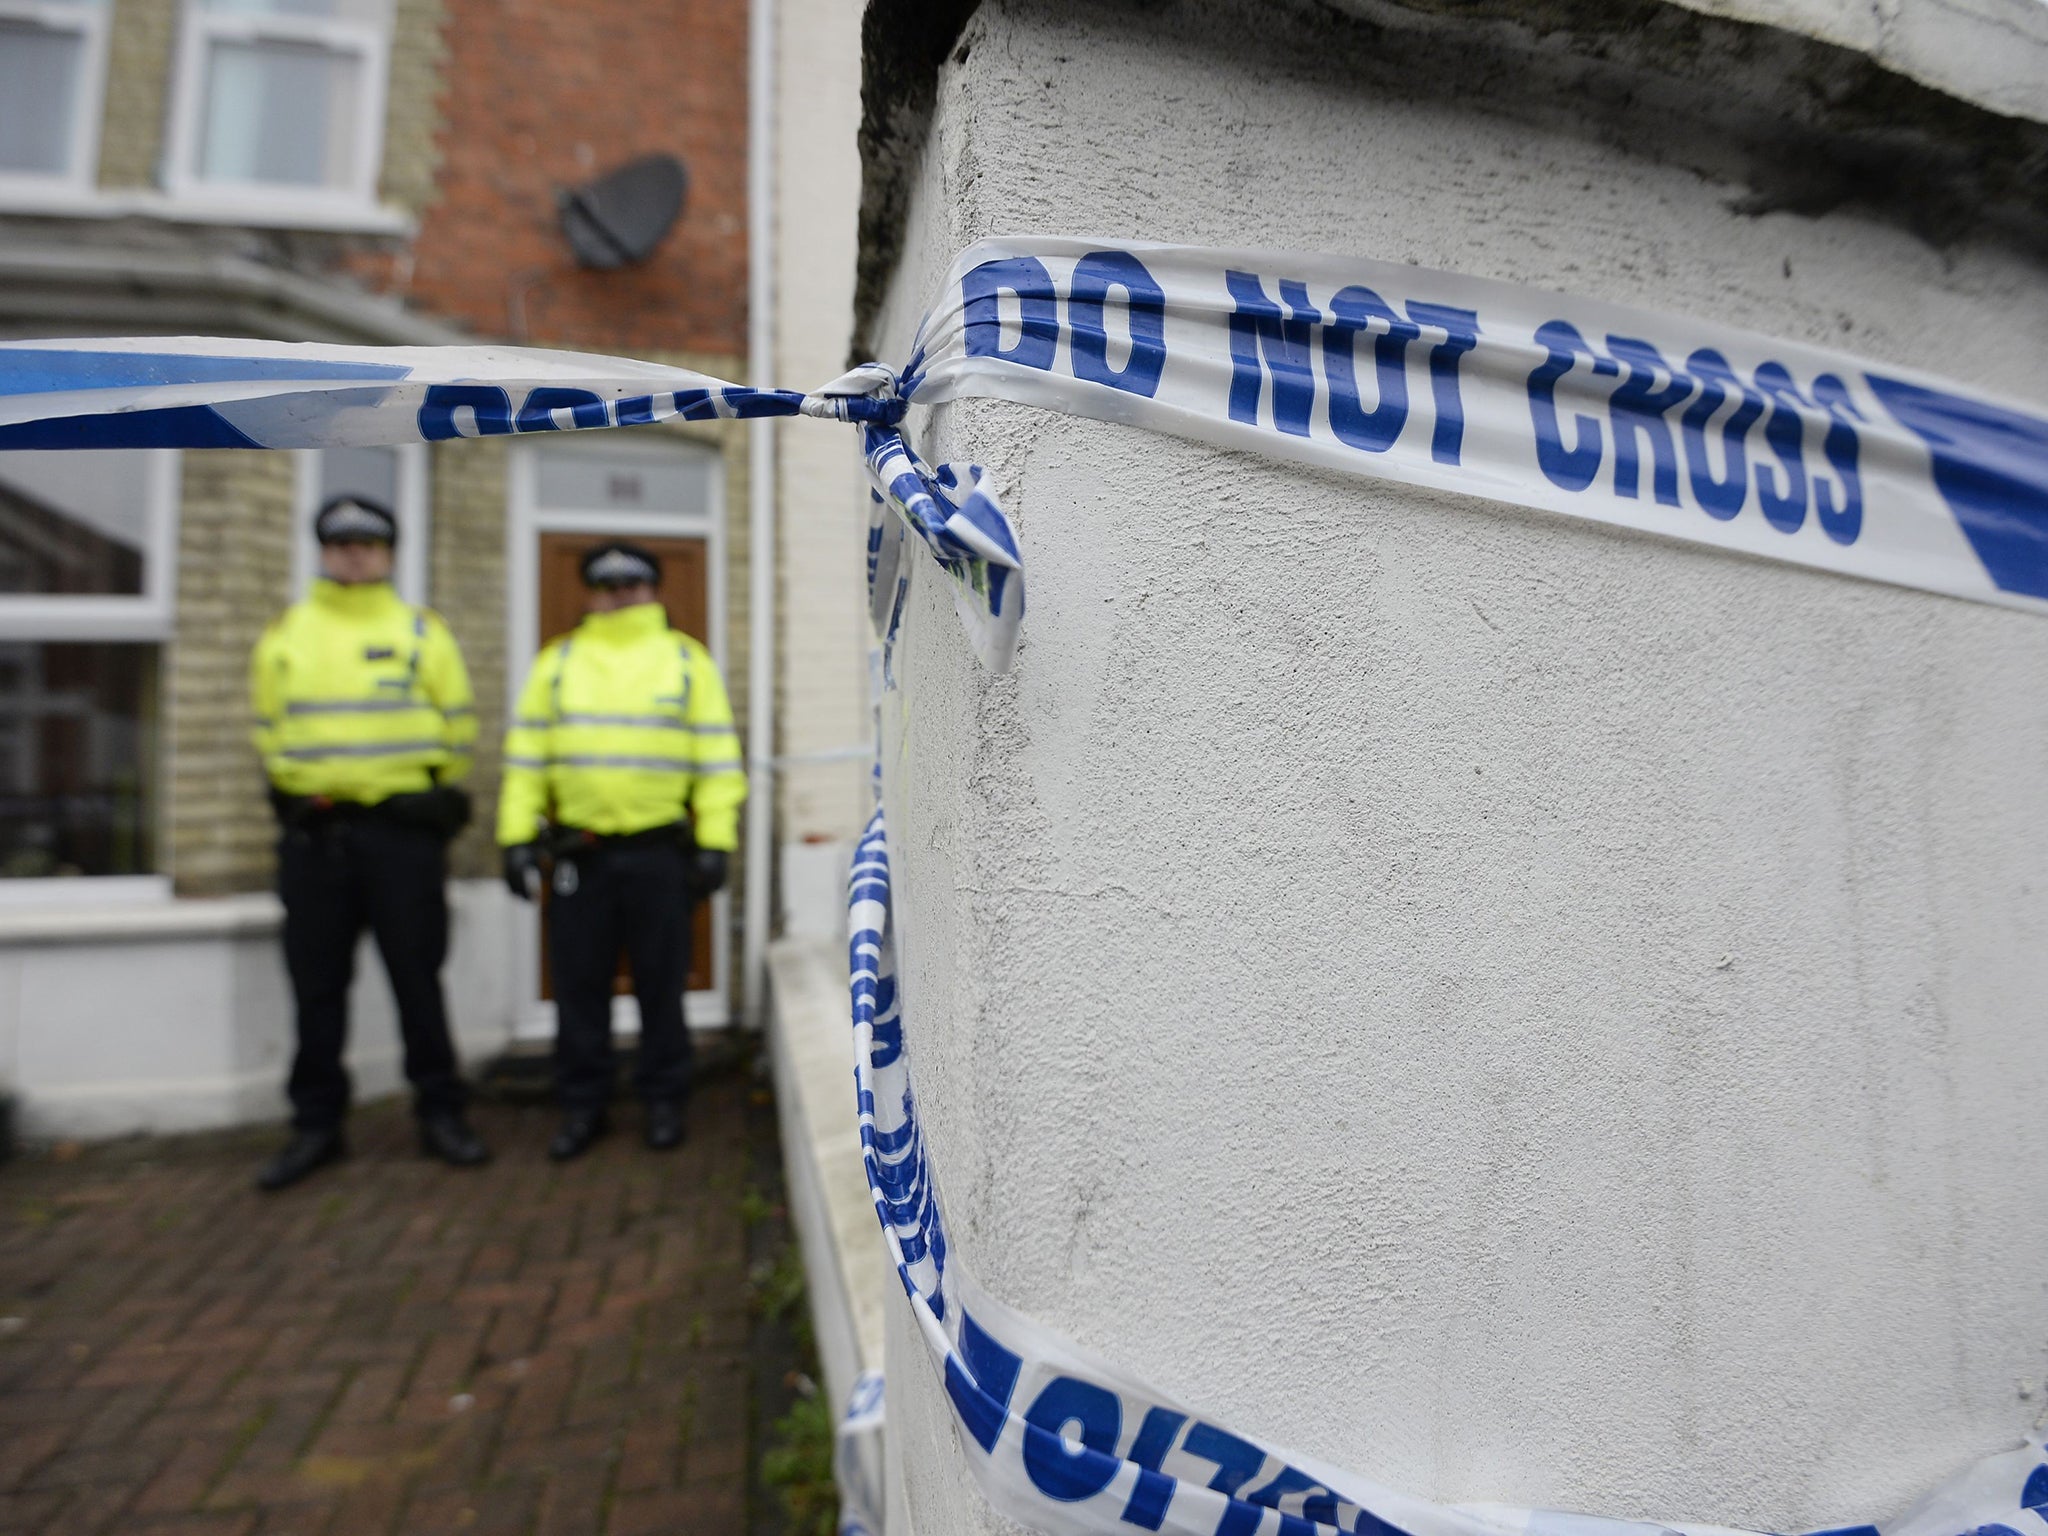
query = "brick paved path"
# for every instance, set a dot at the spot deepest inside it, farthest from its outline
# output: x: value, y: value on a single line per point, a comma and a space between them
x: 391, y: 1347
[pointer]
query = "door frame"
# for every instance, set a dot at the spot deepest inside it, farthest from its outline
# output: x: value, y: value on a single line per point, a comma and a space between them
x: 525, y: 522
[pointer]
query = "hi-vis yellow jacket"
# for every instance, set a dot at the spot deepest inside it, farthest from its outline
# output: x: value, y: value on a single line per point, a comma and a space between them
x: 359, y: 696
x: 623, y: 726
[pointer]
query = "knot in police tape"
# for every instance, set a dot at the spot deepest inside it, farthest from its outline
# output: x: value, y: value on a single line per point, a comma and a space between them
x: 951, y: 508
x: 868, y: 395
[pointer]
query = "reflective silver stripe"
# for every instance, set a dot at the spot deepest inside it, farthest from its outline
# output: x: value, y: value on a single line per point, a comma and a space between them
x: 350, y: 706
x: 531, y: 723
x: 379, y: 749
x: 667, y: 764
x: 651, y: 722
x: 561, y: 666
x: 460, y: 709
x: 592, y: 760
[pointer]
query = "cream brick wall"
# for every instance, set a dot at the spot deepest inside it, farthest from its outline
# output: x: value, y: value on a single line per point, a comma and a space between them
x: 234, y: 573
x: 412, y: 113
x: 466, y: 586
x: 140, y: 38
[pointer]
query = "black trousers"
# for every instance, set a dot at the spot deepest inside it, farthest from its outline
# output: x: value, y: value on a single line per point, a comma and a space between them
x: 336, y: 878
x: 634, y: 896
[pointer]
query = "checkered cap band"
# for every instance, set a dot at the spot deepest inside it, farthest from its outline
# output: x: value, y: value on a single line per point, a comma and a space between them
x: 343, y: 521
x: 619, y: 568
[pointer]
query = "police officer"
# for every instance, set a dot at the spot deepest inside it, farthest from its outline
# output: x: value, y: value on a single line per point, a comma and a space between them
x: 622, y: 786
x: 365, y: 722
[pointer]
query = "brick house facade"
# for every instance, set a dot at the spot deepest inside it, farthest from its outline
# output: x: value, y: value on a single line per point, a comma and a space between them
x: 199, y: 193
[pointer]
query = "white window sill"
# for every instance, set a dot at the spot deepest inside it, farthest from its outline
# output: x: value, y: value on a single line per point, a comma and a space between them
x: 89, y: 912
x: 69, y: 893
x: 266, y: 210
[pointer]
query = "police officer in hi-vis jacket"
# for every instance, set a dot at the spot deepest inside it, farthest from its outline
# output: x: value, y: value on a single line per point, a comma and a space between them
x: 623, y: 784
x: 365, y: 723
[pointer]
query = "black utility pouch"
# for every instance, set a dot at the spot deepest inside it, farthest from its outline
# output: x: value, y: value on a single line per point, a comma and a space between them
x: 291, y: 810
x: 443, y: 810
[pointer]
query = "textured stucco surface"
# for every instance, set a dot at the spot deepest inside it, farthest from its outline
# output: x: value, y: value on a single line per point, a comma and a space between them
x: 1523, y: 1011
x: 1993, y: 52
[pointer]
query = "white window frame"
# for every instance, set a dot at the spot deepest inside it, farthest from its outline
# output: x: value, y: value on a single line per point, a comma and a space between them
x: 91, y: 22
x: 414, y: 511
x: 526, y: 520
x: 61, y: 618
x: 369, y: 41
x: 148, y: 618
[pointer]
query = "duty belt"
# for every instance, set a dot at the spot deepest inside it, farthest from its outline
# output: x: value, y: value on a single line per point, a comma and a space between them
x: 567, y: 842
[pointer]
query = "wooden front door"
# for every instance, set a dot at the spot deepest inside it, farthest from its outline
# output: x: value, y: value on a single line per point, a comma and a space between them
x: 686, y: 594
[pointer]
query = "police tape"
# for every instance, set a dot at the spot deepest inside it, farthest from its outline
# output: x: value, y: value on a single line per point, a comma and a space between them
x: 1679, y: 427
x: 204, y: 392
x: 857, y: 1458
x: 1673, y: 426
x: 1065, y: 1443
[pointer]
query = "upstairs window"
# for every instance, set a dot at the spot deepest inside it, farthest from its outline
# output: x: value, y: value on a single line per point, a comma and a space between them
x: 280, y: 98
x: 53, y: 65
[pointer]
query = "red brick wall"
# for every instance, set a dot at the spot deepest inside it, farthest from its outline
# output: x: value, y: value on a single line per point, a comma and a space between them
x: 543, y: 94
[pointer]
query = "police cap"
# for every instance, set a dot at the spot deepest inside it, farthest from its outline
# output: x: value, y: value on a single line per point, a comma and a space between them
x: 355, y: 520
x: 620, y: 564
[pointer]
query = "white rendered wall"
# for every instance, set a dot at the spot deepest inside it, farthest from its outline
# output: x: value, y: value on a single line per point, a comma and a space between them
x: 1985, y: 51
x: 178, y: 1017
x: 821, y: 496
x: 1523, y: 1011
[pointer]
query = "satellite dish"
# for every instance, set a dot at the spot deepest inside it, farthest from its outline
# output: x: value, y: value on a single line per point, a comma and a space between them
x: 621, y: 217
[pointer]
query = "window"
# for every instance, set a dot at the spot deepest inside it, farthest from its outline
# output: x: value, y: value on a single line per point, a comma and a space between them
x: 392, y: 477
x: 87, y: 556
x: 53, y: 60
x: 279, y: 98
x: 77, y: 754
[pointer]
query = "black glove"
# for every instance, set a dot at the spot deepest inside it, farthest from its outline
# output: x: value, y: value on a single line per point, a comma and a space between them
x: 708, y: 870
x: 522, y: 870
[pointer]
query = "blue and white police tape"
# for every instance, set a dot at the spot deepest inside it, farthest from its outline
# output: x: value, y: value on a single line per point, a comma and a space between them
x: 971, y: 540
x: 857, y: 1458
x: 1682, y: 427
x: 209, y: 393
x: 1065, y: 1443
x: 1677, y: 426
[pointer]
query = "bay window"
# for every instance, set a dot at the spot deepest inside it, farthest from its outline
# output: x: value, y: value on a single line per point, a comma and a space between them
x: 53, y: 64
x: 87, y: 566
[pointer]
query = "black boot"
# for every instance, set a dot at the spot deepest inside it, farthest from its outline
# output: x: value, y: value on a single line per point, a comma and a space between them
x: 580, y: 1127
x: 448, y: 1137
x: 305, y: 1152
x: 664, y: 1128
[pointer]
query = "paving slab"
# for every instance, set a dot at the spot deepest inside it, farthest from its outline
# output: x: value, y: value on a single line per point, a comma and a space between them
x: 393, y: 1346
